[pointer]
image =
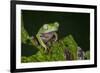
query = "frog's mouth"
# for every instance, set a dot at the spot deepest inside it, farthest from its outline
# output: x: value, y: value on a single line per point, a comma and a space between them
x: 48, y: 31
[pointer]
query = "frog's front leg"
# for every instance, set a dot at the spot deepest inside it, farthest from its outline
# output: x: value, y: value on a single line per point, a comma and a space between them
x: 56, y: 36
x: 41, y: 41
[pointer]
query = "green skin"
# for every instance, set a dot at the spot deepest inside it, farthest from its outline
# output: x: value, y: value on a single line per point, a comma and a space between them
x: 47, y: 28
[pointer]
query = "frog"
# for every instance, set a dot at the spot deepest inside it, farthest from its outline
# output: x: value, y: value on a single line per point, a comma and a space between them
x: 46, y: 32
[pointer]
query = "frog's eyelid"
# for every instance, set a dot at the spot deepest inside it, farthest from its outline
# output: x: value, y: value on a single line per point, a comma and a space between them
x: 56, y: 23
x: 45, y: 26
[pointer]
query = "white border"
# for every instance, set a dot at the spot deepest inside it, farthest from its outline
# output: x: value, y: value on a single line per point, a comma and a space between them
x: 20, y: 65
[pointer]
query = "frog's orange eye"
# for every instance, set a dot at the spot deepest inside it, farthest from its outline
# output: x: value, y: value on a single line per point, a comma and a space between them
x: 45, y: 26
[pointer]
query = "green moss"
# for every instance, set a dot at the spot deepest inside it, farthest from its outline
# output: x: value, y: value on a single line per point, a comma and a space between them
x: 72, y: 45
x: 87, y: 55
x: 56, y: 51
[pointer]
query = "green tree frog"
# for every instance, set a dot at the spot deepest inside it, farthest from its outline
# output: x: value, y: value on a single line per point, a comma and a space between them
x: 46, y: 32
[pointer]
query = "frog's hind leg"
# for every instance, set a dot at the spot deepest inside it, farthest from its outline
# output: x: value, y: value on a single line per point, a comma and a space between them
x: 41, y: 42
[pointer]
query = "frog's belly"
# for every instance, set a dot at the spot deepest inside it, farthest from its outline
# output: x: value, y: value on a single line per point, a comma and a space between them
x: 46, y: 36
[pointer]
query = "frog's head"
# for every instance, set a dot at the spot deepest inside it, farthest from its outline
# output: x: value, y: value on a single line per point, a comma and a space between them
x: 50, y: 27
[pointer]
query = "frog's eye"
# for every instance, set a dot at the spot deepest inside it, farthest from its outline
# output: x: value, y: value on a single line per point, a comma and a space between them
x: 45, y: 26
x: 56, y: 24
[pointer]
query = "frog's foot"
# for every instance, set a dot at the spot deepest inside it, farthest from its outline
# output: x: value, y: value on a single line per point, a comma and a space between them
x: 45, y: 49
